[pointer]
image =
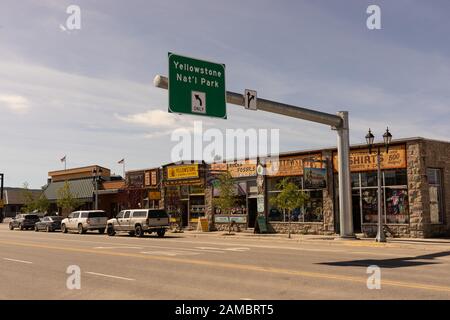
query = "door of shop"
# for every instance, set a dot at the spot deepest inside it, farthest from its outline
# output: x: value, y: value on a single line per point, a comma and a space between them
x: 356, y: 205
x: 252, y: 212
x: 184, y: 207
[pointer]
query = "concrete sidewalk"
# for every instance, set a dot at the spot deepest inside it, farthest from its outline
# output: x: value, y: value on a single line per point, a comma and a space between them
x: 315, y: 238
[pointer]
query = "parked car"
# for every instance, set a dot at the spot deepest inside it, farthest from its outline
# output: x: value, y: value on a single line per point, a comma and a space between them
x: 83, y: 221
x: 49, y: 224
x: 23, y: 221
x: 139, y: 221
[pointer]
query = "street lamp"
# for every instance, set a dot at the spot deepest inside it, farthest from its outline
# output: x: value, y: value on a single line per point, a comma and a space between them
x: 96, y: 173
x: 387, y: 137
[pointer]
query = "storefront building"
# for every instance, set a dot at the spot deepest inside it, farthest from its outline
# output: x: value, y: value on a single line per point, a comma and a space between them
x: 183, y: 192
x: 143, y: 189
x: 415, y: 190
x: 81, y: 183
x: 244, y: 213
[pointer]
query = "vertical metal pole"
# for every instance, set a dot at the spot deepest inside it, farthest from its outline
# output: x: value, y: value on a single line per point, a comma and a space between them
x: 96, y: 191
x: 1, y: 197
x: 380, y: 233
x: 345, y: 196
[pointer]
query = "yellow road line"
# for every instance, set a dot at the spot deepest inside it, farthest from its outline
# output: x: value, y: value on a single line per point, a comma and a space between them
x: 244, y: 267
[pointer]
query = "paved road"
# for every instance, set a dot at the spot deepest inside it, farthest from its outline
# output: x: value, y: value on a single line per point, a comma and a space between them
x: 189, y: 266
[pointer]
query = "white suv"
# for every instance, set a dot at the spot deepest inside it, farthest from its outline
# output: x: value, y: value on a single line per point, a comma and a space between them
x: 85, y: 220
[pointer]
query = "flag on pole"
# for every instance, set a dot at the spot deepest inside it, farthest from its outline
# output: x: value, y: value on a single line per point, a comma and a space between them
x: 121, y: 161
x: 63, y: 159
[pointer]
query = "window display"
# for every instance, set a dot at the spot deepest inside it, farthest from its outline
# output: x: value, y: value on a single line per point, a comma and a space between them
x: 312, y: 211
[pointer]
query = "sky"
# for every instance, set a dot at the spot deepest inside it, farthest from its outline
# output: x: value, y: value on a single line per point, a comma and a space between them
x: 89, y: 94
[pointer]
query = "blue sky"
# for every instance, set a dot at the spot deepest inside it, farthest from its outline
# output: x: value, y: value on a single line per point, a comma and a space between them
x: 88, y: 93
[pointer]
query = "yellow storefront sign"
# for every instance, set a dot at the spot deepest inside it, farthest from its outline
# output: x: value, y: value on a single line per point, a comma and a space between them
x: 182, y: 172
x: 242, y: 169
x: 361, y: 160
x: 154, y: 195
x: 291, y: 166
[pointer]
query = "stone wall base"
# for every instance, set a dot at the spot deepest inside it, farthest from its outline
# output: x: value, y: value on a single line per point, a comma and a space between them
x: 392, y: 231
x: 298, y: 228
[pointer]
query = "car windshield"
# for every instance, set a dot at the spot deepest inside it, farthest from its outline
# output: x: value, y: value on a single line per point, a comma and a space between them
x: 97, y: 214
x: 31, y: 217
x: 56, y: 219
x: 157, y: 214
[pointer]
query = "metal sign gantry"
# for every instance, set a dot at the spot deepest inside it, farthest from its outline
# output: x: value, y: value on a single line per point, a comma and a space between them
x: 338, y: 122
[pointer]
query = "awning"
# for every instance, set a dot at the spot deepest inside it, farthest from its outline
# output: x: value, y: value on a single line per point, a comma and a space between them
x: 82, y: 189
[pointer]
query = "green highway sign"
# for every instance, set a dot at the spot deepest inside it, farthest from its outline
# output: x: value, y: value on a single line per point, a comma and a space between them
x: 196, y: 87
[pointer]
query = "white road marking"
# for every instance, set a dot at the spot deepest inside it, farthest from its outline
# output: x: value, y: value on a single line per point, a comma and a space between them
x: 239, y: 249
x: 171, y: 253
x: 21, y: 261
x: 109, y: 276
x: 120, y: 247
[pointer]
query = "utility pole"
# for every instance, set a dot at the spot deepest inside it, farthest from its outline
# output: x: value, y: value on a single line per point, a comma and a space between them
x: 1, y: 197
x: 338, y: 122
x: 96, y: 173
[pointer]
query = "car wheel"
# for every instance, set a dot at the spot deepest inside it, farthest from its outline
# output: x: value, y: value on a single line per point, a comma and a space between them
x: 20, y: 226
x: 101, y: 231
x: 63, y: 228
x: 138, y: 231
x: 110, y: 231
x: 36, y: 228
x: 161, y: 232
x: 11, y: 227
x: 131, y: 233
x: 80, y: 229
x: 48, y: 229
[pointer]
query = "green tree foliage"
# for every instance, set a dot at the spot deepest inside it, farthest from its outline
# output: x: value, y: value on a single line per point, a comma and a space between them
x: 66, y: 200
x: 29, y: 201
x: 32, y: 202
x: 42, y: 204
x: 227, y: 195
x: 290, y: 198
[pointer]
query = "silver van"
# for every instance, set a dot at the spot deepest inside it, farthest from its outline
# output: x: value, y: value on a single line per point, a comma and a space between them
x: 139, y: 221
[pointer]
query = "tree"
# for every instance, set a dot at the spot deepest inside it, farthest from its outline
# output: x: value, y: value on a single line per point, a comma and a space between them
x: 28, y: 197
x: 66, y: 199
x: 290, y: 198
x: 32, y: 202
x: 227, y: 195
x: 42, y: 204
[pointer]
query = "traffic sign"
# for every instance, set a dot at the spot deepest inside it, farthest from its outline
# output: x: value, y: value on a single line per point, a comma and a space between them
x: 250, y: 99
x: 196, y: 87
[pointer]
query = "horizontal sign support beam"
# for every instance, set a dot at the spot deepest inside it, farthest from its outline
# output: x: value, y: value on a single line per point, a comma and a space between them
x: 272, y: 106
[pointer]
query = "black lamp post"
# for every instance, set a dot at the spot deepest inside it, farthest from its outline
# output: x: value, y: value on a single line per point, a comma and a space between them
x: 96, y: 173
x: 387, y: 137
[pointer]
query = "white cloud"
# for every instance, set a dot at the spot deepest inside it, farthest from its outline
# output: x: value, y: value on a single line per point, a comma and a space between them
x: 15, y: 103
x: 152, y: 118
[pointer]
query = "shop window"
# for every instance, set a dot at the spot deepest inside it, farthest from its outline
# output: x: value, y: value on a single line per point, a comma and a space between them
x: 369, y: 179
x: 314, y: 207
x: 355, y: 180
x: 397, y: 205
x: 395, y: 178
x: 312, y: 211
x: 436, y: 199
x: 369, y: 205
x: 197, y: 206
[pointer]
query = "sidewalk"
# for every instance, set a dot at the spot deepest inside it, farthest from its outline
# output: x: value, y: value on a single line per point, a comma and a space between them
x: 317, y: 238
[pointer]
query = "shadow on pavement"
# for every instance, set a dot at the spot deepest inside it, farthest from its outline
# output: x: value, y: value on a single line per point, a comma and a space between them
x: 391, y: 263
